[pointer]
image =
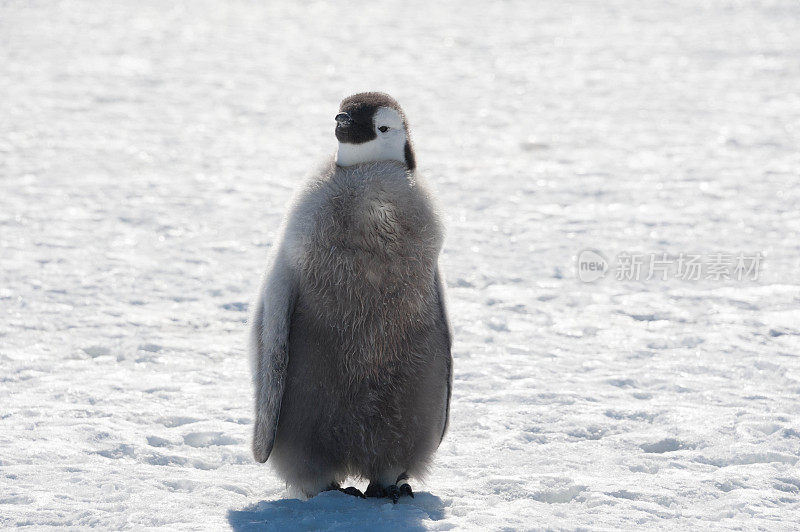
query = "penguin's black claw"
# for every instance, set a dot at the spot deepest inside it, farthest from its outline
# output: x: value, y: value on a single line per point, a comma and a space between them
x: 405, y: 489
x: 392, y: 492
x: 355, y: 492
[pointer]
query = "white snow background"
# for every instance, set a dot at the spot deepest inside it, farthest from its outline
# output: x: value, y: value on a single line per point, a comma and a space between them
x: 148, y: 151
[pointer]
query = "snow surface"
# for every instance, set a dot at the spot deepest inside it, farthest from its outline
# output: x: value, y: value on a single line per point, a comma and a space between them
x: 148, y: 151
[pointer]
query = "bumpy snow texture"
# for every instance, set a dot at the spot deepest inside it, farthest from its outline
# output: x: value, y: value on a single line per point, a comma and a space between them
x: 149, y: 149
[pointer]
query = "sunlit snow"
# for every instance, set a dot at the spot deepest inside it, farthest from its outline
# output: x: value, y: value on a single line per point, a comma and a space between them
x: 148, y: 151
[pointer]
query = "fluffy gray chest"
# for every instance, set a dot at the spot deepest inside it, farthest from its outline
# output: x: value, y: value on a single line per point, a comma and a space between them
x: 367, y: 263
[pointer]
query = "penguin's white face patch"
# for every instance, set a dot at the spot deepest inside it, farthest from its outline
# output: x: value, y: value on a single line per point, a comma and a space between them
x: 388, y: 145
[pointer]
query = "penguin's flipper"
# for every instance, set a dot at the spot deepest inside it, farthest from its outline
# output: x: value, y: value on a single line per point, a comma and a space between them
x: 439, y: 280
x: 269, y: 346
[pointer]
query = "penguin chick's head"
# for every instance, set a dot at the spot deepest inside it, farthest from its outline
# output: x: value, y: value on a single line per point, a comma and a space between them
x: 372, y: 127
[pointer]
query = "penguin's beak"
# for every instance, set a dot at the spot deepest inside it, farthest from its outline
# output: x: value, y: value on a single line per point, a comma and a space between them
x: 343, y: 120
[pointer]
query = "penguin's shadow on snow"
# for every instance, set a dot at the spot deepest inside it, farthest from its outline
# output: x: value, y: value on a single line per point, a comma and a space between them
x: 337, y: 511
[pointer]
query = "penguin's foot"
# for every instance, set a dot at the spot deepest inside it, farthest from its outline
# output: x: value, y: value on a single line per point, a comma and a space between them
x: 405, y: 489
x: 355, y: 492
x: 393, y: 491
x: 374, y: 490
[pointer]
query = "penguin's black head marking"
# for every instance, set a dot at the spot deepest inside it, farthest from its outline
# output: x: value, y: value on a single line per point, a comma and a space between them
x: 371, y: 126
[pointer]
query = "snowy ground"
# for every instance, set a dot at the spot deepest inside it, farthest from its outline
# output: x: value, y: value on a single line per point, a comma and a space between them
x: 148, y: 150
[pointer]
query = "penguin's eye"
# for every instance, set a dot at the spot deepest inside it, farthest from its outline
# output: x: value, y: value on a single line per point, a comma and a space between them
x: 383, y: 129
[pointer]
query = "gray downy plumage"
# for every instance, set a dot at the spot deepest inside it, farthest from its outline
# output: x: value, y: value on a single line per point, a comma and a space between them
x: 350, y: 340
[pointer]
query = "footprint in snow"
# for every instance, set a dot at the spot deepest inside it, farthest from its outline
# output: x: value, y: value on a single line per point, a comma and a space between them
x: 95, y: 351
x: 155, y: 441
x: 667, y: 445
x: 150, y: 348
x: 559, y: 496
x: 207, y: 439
x: 177, y: 421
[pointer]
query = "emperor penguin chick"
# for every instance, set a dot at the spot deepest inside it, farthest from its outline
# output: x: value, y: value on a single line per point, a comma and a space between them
x: 350, y: 340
